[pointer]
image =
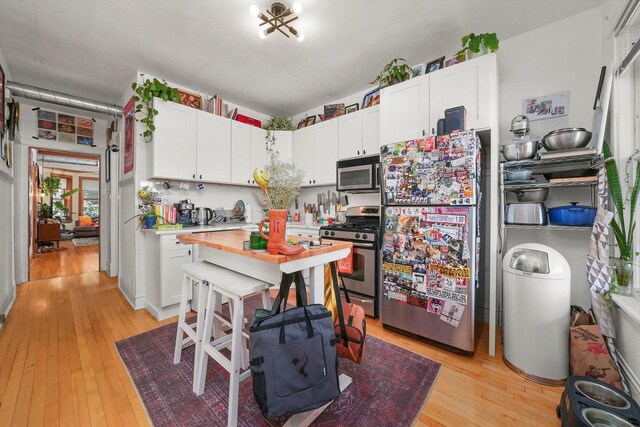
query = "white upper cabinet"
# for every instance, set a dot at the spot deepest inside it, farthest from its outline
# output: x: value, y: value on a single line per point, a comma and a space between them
x: 240, y: 153
x: 350, y: 135
x: 284, y: 144
x: 174, y: 141
x: 304, y: 142
x: 213, y: 161
x: 258, y: 150
x: 371, y: 130
x: 405, y: 110
x: 326, y: 152
x: 468, y: 84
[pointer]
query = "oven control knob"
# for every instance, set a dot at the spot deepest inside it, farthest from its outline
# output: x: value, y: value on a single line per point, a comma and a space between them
x: 333, y: 233
x: 326, y: 233
x: 364, y: 236
x: 357, y: 235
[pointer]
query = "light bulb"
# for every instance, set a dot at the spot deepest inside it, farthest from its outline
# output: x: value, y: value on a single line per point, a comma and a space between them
x: 262, y: 33
x: 300, y: 36
x: 297, y: 7
x: 254, y: 11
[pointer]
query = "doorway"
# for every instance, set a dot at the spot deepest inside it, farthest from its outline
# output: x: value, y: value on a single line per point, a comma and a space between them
x: 64, y: 208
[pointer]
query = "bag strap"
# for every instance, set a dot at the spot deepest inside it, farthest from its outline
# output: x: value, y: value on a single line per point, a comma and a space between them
x: 336, y: 294
x: 346, y: 292
x: 285, y: 287
x: 301, y: 300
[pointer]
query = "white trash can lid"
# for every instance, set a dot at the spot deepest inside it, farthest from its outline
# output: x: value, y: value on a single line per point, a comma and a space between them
x: 534, y: 259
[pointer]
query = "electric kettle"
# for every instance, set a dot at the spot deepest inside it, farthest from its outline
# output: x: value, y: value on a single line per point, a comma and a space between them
x: 203, y: 216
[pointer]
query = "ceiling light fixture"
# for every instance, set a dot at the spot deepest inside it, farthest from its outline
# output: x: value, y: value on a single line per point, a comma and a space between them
x: 279, y: 17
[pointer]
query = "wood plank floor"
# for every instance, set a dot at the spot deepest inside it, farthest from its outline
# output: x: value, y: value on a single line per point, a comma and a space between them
x: 58, y: 365
x: 72, y: 260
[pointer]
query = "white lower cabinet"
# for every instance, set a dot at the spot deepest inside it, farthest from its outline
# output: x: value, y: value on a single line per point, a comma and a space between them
x: 171, y: 274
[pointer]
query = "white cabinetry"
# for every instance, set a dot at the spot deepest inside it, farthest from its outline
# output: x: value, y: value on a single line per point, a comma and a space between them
x: 173, y: 148
x: 189, y: 144
x: 284, y: 144
x: 171, y: 273
x: 248, y: 151
x: 258, y: 150
x: 468, y: 84
x: 304, y: 141
x: 404, y: 108
x: 325, y: 152
x: 359, y: 133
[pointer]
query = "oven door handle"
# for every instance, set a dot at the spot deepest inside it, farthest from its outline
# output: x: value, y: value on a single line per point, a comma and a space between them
x: 363, y: 245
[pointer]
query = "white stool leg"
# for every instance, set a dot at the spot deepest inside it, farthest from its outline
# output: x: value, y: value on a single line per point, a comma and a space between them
x: 186, y: 281
x: 236, y: 356
x: 202, y: 303
x: 217, y: 324
x: 266, y: 299
x: 200, y: 371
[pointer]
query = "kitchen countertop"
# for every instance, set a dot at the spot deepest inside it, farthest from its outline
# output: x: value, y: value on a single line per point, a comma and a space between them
x: 303, y: 225
x: 231, y: 241
x: 199, y: 229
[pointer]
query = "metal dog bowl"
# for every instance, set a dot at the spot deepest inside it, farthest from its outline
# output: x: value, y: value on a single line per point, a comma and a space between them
x: 603, y: 395
x: 598, y: 418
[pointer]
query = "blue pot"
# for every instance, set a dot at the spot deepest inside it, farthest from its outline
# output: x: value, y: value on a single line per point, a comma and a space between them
x: 572, y: 215
x: 149, y: 221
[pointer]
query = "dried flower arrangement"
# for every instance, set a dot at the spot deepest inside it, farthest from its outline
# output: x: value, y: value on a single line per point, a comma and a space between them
x: 281, y: 180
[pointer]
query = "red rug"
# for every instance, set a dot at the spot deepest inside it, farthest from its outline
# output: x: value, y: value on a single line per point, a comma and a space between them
x: 388, y: 388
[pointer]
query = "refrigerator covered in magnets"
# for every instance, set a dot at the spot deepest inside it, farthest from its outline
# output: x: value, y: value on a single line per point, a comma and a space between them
x: 431, y: 240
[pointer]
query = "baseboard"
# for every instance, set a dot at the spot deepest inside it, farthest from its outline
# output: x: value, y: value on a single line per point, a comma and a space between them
x: 164, y: 313
x: 7, y: 303
x: 135, y: 303
x: 632, y: 379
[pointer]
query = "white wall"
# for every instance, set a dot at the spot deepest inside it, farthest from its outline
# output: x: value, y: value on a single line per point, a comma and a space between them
x: 7, y: 271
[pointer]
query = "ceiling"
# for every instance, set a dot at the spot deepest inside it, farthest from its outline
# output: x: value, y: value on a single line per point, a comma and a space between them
x: 93, y: 48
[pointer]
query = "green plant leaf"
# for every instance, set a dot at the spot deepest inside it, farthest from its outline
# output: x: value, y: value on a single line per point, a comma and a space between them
x: 490, y: 40
x: 633, y: 202
x: 614, y: 185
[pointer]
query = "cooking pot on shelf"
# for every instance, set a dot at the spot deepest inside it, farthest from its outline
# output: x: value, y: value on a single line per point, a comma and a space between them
x: 533, y: 195
x: 572, y: 215
x: 566, y: 139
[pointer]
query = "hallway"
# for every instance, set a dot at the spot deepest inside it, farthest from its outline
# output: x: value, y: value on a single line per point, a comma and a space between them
x: 72, y: 260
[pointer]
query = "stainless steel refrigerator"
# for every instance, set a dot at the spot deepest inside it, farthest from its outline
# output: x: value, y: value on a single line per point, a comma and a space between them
x: 430, y: 249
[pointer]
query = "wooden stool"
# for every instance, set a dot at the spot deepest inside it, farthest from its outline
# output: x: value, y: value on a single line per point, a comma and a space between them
x: 236, y: 287
x: 197, y: 272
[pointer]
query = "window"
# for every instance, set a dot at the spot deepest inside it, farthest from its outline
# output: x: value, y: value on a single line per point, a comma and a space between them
x: 89, y: 203
x: 65, y: 185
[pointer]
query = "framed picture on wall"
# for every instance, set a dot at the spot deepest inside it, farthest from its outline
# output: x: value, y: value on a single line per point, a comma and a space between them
x: 190, y: 99
x: 434, y: 65
x: 129, y: 136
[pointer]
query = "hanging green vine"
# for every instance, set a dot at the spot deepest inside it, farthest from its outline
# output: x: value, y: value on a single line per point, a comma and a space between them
x: 144, y: 100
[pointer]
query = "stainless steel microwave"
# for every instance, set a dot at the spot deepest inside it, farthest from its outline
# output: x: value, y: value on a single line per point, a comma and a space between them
x: 359, y: 174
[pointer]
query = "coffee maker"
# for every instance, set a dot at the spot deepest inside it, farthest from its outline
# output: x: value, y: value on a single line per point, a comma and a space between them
x: 184, y: 209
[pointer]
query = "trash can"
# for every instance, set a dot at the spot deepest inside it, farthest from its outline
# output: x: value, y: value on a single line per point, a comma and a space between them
x: 536, y: 283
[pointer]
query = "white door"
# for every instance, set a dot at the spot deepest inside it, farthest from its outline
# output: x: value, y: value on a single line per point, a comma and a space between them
x: 213, y: 161
x: 258, y: 150
x: 174, y: 141
x: 284, y: 144
x: 303, y: 152
x: 405, y: 110
x: 371, y: 130
x: 171, y: 274
x: 240, y: 153
x: 468, y: 84
x: 350, y: 135
x: 326, y: 152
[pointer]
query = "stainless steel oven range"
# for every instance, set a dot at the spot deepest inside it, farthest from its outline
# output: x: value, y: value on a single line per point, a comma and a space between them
x: 363, y: 230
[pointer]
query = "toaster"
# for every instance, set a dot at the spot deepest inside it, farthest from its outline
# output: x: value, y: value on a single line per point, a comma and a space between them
x: 525, y: 214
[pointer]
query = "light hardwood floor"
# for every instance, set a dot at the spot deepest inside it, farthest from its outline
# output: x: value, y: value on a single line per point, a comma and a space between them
x: 73, y: 260
x: 58, y: 365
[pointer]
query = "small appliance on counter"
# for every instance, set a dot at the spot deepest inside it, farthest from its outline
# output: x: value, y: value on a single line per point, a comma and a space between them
x: 523, y: 146
x: 358, y: 175
x: 525, y: 214
x: 184, y: 209
x: 202, y: 216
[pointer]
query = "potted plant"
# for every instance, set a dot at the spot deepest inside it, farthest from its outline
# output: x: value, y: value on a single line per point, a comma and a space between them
x: 145, y: 93
x: 394, y: 72
x: 55, y: 209
x: 478, y: 44
x: 278, y: 123
x: 623, y: 265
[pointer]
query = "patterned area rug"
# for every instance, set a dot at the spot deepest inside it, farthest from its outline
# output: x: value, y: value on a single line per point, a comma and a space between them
x: 86, y: 241
x: 389, y: 388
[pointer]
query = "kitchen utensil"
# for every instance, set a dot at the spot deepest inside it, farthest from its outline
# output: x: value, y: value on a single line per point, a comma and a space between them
x: 533, y: 195
x: 572, y: 215
x: 573, y: 173
x: 219, y: 215
x: 526, y: 214
x: 238, y: 208
x: 566, y: 138
x: 520, y: 148
x: 517, y: 175
x: 601, y: 107
x: 203, y: 216
x: 297, y: 201
x: 520, y: 125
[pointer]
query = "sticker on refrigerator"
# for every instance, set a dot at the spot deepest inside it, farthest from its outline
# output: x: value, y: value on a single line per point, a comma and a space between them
x: 435, y: 305
x: 455, y: 272
x: 452, y: 296
x: 452, y: 313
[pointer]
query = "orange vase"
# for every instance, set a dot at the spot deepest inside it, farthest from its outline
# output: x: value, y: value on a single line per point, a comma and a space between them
x: 277, y: 238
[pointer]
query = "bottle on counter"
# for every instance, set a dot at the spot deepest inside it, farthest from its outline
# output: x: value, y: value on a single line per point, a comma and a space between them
x: 296, y: 216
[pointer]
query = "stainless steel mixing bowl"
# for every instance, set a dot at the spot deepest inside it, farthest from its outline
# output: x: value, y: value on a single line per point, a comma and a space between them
x: 566, y: 139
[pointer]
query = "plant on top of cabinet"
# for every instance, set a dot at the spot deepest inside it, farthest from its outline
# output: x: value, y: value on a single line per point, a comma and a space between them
x: 145, y: 94
x: 479, y: 43
x: 394, y: 72
x: 278, y: 123
x: 624, y: 235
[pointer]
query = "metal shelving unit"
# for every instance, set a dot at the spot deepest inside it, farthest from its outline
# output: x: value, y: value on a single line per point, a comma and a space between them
x: 549, y: 227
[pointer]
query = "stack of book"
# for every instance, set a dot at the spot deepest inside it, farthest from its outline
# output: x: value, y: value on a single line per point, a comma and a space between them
x: 168, y: 212
x: 216, y: 106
